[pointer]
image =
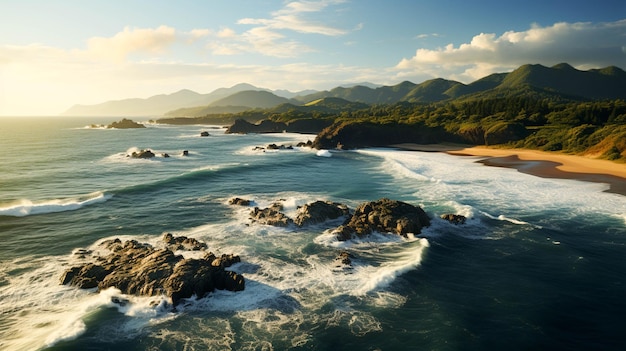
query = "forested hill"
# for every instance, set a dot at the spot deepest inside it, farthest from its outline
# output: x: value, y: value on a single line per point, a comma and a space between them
x: 560, y: 82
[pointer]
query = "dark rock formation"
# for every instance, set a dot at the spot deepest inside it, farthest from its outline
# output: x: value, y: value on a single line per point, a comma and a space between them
x: 304, y: 125
x: 352, y: 135
x: 308, y: 143
x: 185, y: 152
x: 319, y: 212
x: 271, y: 216
x: 308, y: 125
x: 241, y: 126
x: 504, y: 132
x: 125, y: 124
x: 142, y: 154
x: 175, y: 243
x: 204, y: 134
x: 165, y: 155
x: 385, y: 216
x: 279, y: 147
x: 139, y: 269
x: 344, y: 259
x: 454, y: 218
x: 239, y: 201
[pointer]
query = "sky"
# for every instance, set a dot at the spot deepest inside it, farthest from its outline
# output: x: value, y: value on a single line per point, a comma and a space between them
x: 54, y: 54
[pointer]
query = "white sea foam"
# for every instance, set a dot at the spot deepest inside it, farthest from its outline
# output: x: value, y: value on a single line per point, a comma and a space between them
x: 324, y: 153
x: 506, y: 219
x: 493, y: 189
x: 27, y: 207
x: 124, y: 157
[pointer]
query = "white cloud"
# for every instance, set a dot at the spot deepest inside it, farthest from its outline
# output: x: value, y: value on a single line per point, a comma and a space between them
x: 130, y: 40
x: 290, y: 17
x: 267, y: 36
x: 581, y: 44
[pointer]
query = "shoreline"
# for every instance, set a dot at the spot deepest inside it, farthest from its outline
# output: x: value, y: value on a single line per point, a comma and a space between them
x: 538, y: 163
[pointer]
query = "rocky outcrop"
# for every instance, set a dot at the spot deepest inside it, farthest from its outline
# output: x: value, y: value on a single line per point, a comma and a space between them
x: 319, y: 212
x: 241, y: 126
x: 350, y: 135
x: 344, y: 259
x: 239, y: 201
x: 453, y: 218
x: 308, y: 125
x: 303, y: 125
x: 204, y: 134
x: 142, y: 154
x: 140, y: 269
x: 125, y: 124
x: 175, y: 243
x: 385, y: 216
x: 271, y: 216
x: 504, y: 132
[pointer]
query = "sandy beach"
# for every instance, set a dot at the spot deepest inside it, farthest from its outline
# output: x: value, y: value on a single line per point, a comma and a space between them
x: 539, y: 163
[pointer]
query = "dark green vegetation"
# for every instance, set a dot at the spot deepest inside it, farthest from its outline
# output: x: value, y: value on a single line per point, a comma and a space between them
x: 555, y: 108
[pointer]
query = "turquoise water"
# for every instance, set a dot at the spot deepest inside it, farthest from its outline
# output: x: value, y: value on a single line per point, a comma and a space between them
x: 539, y: 264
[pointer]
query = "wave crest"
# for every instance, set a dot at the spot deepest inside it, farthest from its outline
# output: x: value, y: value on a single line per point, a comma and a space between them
x: 26, y: 207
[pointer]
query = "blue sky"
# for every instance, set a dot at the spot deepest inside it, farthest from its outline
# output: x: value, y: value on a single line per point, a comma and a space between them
x: 54, y: 54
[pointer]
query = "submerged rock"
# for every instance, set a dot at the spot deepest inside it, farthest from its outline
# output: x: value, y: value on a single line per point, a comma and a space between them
x: 454, y: 218
x: 239, y: 202
x: 204, y: 134
x: 344, y: 259
x: 140, y: 269
x: 385, y: 216
x: 142, y: 154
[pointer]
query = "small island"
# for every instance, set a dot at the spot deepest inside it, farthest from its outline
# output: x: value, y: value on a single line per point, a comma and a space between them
x: 125, y: 124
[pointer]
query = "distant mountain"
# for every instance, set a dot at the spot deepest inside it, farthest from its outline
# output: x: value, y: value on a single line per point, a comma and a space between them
x: 152, y: 106
x: 251, y: 98
x: 428, y: 91
x: 363, y: 84
x: 234, y: 103
x: 560, y: 81
x: 158, y: 105
x: 606, y: 83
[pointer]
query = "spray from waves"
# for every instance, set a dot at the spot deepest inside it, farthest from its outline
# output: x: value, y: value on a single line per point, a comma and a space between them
x: 27, y: 207
x: 124, y: 157
x: 324, y: 153
x: 37, y: 311
x: 510, y: 220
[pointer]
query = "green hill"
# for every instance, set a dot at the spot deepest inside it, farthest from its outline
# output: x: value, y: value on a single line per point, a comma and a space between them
x: 560, y: 82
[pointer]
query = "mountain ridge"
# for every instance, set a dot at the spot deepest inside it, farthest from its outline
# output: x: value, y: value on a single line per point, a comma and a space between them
x: 560, y: 82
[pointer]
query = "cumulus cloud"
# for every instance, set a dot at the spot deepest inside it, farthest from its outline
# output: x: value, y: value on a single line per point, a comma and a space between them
x: 581, y: 44
x: 134, y: 40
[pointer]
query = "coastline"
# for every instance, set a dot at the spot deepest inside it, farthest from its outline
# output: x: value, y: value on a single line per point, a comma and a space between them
x: 538, y: 163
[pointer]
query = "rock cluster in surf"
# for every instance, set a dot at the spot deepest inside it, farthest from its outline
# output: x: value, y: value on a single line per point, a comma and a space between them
x: 315, y: 212
x: 384, y: 216
x: 140, y: 269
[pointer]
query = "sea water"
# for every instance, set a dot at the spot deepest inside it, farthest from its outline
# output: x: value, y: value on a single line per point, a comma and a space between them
x: 539, y: 263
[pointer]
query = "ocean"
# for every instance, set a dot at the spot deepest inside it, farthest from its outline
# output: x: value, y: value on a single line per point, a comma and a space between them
x: 539, y: 265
